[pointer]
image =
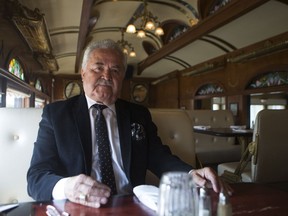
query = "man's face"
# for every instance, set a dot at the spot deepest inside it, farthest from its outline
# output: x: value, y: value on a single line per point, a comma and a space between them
x: 103, y: 76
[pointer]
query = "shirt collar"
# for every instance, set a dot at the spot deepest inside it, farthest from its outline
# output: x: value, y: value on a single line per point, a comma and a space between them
x: 91, y: 102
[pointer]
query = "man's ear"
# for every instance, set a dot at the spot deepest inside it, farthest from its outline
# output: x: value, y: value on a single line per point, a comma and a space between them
x: 82, y: 73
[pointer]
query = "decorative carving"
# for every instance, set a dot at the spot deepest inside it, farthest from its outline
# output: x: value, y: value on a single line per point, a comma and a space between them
x: 32, y: 26
x: 48, y: 62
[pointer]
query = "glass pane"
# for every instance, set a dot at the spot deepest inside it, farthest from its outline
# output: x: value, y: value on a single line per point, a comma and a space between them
x: 16, y: 69
x: 38, y: 85
x: 276, y: 107
x: 218, y: 103
x: 254, y: 109
x: 39, y: 103
x: 271, y: 100
x: 17, y: 99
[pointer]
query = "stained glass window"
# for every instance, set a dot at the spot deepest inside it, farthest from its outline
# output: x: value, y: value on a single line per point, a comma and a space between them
x: 270, y: 79
x: 210, y: 89
x: 16, y: 69
x: 219, y: 4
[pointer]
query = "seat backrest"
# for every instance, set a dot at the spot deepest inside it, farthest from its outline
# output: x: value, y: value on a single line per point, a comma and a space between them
x: 175, y: 130
x: 215, y: 119
x: 18, y: 131
x: 214, y: 149
x: 271, y: 135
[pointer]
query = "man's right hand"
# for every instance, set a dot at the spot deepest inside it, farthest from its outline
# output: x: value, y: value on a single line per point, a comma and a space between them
x: 84, y: 190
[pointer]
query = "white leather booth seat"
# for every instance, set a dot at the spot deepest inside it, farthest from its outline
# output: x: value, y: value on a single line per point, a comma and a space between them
x: 214, y: 149
x: 18, y: 131
x: 175, y: 130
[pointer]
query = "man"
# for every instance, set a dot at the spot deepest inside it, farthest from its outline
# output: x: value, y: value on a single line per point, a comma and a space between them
x: 65, y: 163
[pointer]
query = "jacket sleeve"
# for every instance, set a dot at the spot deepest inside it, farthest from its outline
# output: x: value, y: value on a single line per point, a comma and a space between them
x: 41, y: 175
x: 58, y: 151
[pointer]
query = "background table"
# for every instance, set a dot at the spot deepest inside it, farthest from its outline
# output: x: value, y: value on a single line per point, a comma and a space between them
x: 243, y: 136
x: 249, y: 199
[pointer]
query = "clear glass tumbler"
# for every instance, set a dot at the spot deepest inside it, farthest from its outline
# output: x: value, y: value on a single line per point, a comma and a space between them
x: 177, y: 195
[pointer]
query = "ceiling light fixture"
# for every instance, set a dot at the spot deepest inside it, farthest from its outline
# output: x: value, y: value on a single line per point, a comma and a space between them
x: 127, y: 47
x: 149, y: 22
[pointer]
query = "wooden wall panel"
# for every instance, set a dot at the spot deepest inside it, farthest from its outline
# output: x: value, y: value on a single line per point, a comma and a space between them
x: 165, y: 94
x: 234, y: 77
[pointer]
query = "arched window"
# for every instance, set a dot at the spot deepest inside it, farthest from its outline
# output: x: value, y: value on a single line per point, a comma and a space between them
x: 16, y: 69
x: 262, y: 99
x: 208, y: 89
x: 269, y: 79
x: 214, y: 100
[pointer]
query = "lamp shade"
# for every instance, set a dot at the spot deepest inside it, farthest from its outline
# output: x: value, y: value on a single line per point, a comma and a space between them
x: 149, y: 25
x: 159, y: 31
x: 141, y: 33
x: 131, y: 29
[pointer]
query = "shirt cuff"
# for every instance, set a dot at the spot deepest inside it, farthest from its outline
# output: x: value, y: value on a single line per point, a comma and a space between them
x: 58, y: 190
x: 190, y: 172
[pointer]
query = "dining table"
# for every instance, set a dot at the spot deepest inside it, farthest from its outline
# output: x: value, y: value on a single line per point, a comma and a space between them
x: 244, y: 136
x: 248, y: 199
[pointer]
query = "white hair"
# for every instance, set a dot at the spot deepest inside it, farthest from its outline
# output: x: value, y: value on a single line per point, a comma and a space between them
x: 103, y: 44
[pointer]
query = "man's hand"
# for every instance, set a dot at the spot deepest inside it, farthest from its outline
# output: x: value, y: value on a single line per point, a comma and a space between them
x: 206, y: 177
x: 84, y: 190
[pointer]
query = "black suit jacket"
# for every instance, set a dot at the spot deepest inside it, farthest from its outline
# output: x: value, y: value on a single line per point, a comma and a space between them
x: 64, y: 148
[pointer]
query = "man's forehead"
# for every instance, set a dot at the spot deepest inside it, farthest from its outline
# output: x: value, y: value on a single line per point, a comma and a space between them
x: 99, y: 59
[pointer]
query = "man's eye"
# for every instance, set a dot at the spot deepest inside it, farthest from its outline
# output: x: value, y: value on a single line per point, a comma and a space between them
x: 114, y: 70
x: 97, y: 69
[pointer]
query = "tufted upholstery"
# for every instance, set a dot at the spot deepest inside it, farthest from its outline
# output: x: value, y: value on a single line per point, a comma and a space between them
x: 270, y: 134
x: 175, y: 130
x: 213, y: 149
x: 18, y: 131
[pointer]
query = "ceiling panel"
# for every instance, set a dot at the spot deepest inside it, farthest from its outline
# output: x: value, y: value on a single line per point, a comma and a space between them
x: 63, y: 21
x: 262, y: 23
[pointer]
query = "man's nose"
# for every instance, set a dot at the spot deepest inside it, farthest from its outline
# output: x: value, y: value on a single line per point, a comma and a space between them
x: 106, y: 74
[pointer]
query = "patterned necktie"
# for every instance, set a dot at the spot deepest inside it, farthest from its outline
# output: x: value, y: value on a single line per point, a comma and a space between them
x: 104, y: 151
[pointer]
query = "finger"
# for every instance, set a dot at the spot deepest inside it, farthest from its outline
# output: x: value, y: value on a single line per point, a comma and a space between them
x: 226, y: 187
x: 206, y: 177
x: 95, y: 192
x: 91, y: 200
x: 213, y: 180
x: 86, y: 202
x: 87, y: 185
x: 198, y: 179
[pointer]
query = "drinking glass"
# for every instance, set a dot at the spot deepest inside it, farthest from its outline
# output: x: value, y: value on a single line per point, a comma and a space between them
x: 177, y: 195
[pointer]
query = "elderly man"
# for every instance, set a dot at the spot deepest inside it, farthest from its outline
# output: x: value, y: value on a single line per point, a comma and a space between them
x: 66, y: 161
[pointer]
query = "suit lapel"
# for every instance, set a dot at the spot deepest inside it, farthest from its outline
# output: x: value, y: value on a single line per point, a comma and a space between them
x: 81, y: 115
x: 124, y: 127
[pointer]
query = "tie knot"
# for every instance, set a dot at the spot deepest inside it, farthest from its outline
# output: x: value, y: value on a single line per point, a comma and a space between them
x: 100, y: 107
